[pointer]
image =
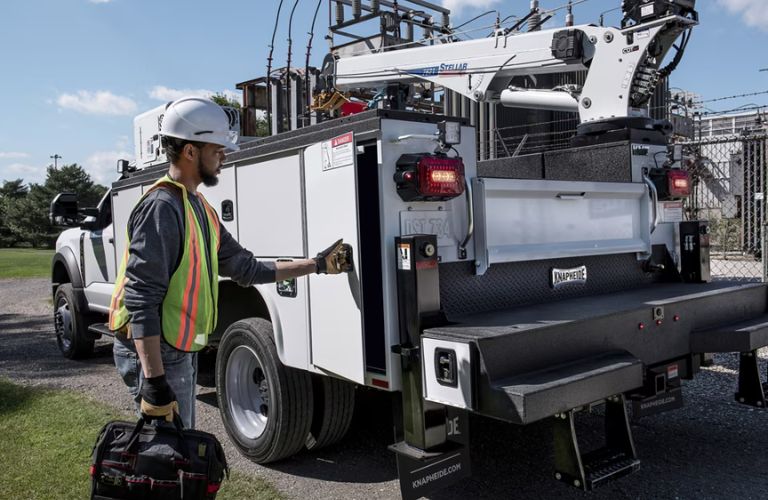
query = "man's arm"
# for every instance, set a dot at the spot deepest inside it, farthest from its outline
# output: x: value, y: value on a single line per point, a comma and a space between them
x: 239, y: 264
x: 293, y: 269
x: 148, y: 349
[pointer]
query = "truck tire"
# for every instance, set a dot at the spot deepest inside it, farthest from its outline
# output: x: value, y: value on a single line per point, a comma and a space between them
x: 334, y: 407
x: 266, y: 406
x: 71, y: 325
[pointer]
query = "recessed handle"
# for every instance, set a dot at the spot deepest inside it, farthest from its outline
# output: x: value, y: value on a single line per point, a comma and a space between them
x: 571, y: 196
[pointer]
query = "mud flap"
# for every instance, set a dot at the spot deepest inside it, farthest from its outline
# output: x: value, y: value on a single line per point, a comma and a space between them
x: 422, y: 472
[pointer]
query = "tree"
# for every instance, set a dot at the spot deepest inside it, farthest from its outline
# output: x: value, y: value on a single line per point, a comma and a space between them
x: 11, y: 194
x: 13, y: 189
x: 223, y: 100
x: 24, y: 213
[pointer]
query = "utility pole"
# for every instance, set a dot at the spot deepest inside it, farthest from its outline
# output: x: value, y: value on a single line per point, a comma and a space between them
x: 56, y: 157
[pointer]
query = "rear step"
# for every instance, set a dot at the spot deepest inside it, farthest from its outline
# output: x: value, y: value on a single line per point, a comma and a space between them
x: 101, y: 329
x: 617, y: 458
x: 557, y: 389
x: 745, y: 338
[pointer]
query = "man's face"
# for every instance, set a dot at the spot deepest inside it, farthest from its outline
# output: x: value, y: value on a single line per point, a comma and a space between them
x: 209, y: 161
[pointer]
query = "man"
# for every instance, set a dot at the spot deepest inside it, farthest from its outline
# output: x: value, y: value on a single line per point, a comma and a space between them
x: 165, y: 300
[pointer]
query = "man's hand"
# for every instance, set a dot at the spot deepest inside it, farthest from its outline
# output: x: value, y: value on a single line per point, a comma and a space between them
x: 158, y: 399
x: 335, y: 259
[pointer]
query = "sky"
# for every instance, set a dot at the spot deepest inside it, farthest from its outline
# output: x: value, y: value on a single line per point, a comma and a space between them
x: 76, y: 72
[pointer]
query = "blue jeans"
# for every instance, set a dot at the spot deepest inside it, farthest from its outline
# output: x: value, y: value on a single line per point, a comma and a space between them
x: 180, y: 372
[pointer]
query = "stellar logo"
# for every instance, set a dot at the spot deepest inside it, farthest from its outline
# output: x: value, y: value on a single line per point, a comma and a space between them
x: 443, y: 69
x: 561, y: 277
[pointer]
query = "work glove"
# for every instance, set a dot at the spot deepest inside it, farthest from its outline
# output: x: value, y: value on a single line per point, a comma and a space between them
x: 335, y: 259
x: 158, y: 399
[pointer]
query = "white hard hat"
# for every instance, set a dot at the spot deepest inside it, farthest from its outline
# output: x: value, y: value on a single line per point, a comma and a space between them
x: 199, y: 119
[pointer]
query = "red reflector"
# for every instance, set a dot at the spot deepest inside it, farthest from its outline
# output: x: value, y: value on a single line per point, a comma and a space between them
x: 441, y: 176
x: 92, y: 470
x: 641, y: 326
x: 213, y: 488
x: 380, y: 383
x: 679, y: 183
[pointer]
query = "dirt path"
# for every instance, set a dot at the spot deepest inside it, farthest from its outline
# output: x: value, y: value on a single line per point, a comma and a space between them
x: 713, y: 448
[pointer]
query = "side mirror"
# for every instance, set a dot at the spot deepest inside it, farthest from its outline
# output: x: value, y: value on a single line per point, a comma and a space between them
x: 64, y: 210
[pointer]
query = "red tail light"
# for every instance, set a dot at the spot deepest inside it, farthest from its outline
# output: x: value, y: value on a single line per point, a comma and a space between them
x: 679, y: 183
x: 429, y: 177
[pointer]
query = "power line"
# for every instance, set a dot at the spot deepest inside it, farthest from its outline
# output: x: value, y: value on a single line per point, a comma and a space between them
x: 732, y: 97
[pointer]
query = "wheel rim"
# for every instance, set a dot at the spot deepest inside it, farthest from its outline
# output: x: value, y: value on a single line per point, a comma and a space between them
x: 63, y: 322
x: 247, y: 392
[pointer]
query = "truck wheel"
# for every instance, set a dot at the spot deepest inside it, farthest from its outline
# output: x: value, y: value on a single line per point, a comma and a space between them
x: 266, y: 406
x: 71, y: 325
x: 334, y: 407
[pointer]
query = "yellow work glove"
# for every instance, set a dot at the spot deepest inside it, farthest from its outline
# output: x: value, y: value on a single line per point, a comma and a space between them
x: 166, y: 411
x: 158, y: 399
x: 335, y: 259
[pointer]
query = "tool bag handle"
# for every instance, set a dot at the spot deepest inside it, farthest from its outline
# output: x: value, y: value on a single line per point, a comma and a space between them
x: 178, y: 426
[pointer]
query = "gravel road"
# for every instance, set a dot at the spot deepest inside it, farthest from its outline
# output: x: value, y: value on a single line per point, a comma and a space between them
x: 713, y: 448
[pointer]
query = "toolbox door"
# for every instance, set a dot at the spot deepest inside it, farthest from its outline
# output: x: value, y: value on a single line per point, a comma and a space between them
x: 331, y: 208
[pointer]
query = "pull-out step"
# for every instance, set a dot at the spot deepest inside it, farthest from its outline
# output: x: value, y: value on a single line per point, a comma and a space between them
x: 539, y: 394
x: 745, y: 338
x: 590, y: 470
x: 101, y: 329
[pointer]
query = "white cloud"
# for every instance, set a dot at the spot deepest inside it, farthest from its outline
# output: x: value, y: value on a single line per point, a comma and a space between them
x: 30, y: 173
x: 99, y: 103
x: 12, y: 154
x: 456, y: 6
x: 99, y: 1
x: 753, y: 12
x: 162, y: 93
x: 102, y: 165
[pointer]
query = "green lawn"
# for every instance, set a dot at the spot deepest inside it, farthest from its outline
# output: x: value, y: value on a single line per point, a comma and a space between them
x: 47, y: 438
x: 25, y: 263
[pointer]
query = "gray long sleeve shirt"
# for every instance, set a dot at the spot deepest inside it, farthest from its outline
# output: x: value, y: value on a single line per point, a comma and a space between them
x: 156, y: 232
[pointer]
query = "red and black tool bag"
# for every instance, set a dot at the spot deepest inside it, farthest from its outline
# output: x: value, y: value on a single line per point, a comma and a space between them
x: 156, y: 461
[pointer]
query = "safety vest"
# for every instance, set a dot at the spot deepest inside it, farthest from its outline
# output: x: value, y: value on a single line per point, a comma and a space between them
x: 189, y: 309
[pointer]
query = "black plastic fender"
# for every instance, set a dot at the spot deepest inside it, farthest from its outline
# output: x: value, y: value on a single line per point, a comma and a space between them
x: 66, y: 257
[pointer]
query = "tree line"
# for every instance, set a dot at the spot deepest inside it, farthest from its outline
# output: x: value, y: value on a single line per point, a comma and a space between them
x: 24, y: 207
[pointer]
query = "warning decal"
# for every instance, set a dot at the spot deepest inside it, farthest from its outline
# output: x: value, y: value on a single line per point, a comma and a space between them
x: 404, y: 256
x: 339, y: 152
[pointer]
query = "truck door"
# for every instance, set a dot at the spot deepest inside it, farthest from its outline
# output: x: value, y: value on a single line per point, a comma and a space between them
x: 98, y: 254
x: 331, y: 213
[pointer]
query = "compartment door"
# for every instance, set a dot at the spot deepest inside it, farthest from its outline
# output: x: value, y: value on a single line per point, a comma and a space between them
x: 335, y: 301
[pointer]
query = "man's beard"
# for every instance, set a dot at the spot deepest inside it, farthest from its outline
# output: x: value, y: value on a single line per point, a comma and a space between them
x: 208, y: 179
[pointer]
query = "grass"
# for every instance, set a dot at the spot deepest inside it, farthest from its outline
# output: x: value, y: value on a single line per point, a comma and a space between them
x: 25, y: 263
x: 47, y: 438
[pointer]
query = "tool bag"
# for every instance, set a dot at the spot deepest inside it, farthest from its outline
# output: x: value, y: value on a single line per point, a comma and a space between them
x: 156, y: 461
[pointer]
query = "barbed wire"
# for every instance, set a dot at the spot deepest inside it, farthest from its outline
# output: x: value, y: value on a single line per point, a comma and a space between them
x: 762, y: 92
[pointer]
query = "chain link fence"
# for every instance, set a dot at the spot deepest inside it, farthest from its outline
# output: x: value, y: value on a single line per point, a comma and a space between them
x: 728, y: 180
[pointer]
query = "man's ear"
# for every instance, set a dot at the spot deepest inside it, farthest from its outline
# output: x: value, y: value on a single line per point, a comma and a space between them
x: 189, y: 151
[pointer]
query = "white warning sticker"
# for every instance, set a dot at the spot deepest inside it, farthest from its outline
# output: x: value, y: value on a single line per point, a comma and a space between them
x: 339, y: 152
x: 672, y: 211
x: 404, y: 256
x: 672, y: 372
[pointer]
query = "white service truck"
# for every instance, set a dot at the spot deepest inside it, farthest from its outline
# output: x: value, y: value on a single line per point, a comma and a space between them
x: 524, y: 288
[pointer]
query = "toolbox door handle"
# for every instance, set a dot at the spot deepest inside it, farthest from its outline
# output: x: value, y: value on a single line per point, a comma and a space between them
x: 470, y: 220
x: 571, y: 196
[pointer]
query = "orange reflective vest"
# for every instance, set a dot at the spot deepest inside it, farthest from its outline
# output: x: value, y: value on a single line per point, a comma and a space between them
x: 189, y: 309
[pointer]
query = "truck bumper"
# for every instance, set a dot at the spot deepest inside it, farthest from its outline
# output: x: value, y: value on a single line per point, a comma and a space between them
x: 529, y: 363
